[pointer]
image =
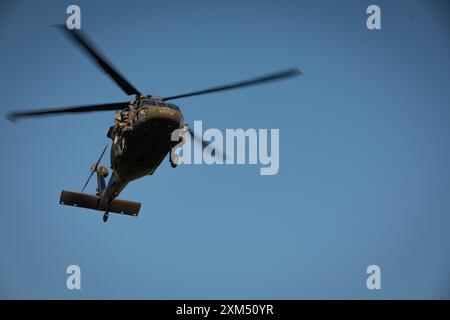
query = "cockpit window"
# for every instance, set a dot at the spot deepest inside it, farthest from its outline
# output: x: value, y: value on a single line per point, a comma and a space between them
x: 147, y: 103
x: 160, y: 104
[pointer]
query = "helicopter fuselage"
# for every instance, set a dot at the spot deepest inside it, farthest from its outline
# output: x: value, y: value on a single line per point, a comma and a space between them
x: 142, y: 137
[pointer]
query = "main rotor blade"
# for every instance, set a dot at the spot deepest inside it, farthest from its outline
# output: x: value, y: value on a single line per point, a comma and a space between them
x: 13, y: 116
x: 81, y: 40
x: 204, y: 144
x: 94, y: 168
x: 241, y: 84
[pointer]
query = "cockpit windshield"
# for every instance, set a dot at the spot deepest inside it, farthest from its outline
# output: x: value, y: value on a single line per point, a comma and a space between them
x: 159, y: 104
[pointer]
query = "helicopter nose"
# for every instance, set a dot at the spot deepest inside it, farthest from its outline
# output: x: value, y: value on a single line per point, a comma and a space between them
x: 157, y: 118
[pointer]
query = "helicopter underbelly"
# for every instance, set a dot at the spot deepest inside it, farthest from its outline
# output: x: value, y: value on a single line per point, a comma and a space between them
x: 148, y: 142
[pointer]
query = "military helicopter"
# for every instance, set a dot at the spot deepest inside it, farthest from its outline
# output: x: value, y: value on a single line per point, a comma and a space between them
x: 141, y: 135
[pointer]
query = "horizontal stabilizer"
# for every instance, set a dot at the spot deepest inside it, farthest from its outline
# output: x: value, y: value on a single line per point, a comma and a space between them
x: 90, y: 201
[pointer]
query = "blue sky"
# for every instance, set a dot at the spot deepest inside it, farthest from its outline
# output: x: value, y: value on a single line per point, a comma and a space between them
x: 364, y: 152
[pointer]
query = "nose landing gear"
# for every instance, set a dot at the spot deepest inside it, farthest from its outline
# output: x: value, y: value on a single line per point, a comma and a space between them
x: 178, y: 141
x: 105, y: 216
x: 173, y: 160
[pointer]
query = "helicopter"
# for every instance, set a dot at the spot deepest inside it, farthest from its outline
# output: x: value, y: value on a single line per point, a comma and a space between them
x: 142, y: 134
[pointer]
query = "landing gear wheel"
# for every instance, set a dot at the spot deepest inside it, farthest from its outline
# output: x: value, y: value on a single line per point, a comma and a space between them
x: 173, y: 159
x: 105, y: 216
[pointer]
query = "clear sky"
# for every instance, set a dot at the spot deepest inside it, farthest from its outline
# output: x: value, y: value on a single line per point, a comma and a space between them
x: 364, y: 151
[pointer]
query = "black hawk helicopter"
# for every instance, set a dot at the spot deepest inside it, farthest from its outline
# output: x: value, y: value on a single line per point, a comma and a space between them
x: 141, y: 135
